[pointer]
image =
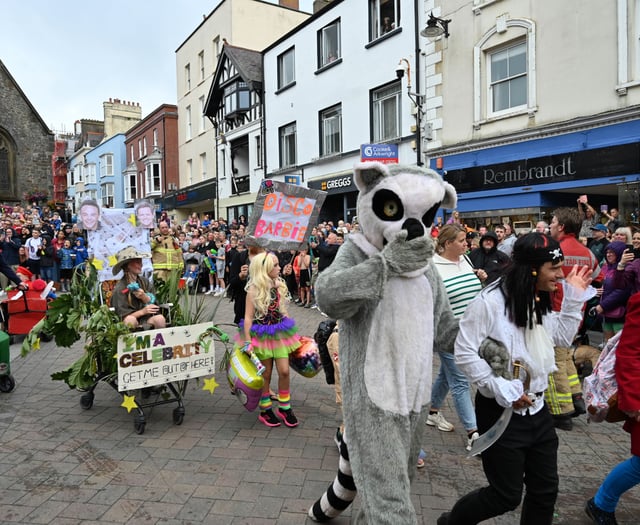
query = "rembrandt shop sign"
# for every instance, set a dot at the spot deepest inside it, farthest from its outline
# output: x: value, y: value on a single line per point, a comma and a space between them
x: 595, y: 163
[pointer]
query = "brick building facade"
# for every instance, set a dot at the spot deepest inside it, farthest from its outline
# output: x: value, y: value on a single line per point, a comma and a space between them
x: 26, y: 144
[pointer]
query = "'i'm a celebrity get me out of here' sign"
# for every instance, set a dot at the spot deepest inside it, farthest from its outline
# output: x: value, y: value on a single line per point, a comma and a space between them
x: 157, y: 357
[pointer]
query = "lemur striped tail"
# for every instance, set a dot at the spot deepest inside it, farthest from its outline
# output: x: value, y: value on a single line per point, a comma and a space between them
x: 340, y: 493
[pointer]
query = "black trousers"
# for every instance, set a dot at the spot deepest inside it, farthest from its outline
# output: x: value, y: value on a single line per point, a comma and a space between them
x: 525, y: 455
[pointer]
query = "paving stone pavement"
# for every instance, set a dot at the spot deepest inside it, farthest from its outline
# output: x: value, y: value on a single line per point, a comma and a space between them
x: 63, y: 465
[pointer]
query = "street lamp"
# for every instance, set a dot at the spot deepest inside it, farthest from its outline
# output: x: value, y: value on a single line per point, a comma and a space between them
x: 436, y: 27
x: 417, y: 99
x: 221, y: 140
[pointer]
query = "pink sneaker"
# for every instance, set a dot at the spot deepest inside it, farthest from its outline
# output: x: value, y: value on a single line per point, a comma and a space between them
x: 269, y: 418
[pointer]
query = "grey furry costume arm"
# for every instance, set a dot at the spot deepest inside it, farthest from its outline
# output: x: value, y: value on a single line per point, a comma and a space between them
x: 352, y: 280
x: 355, y: 281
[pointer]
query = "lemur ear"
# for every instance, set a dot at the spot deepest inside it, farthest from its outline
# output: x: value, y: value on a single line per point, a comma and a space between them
x: 368, y: 174
x: 450, y: 200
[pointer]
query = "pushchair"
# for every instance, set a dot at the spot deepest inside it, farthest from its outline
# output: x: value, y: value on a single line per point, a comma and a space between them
x: 192, y: 271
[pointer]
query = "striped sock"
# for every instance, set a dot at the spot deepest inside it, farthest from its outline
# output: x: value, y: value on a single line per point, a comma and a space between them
x: 284, y: 398
x: 265, y: 402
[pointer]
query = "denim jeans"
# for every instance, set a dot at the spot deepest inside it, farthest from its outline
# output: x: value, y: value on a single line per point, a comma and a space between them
x: 47, y: 273
x: 624, y: 476
x: 450, y: 378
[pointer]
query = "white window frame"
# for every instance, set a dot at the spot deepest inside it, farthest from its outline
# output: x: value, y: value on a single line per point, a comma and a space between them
x: 287, y: 141
x: 201, y: 64
x: 190, y: 171
x: 507, y: 82
x: 203, y: 119
x: 287, y: 68
x: 153, y: 178
x: 140, y: 155
x: 131, y: 150
x: 258, y: 151
x: 155, y: 138
x: 108, y: 190
x: 378, y: 10
x: 130, y: 186
x: 329, y: 43
x: 203, y: 166
x: 481, y: 105
x: 144, y: 146
x: 188, y: 123
x: 331, y: 130
x: 106, y: 165
x: 91, y: 173
x: 382, y: 99
x: 187, y: 78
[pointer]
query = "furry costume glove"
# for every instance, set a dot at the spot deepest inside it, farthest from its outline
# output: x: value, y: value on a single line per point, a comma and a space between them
x: 404, y: 256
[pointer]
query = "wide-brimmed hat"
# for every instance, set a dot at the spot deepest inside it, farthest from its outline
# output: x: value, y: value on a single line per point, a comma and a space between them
x: 125, y: 255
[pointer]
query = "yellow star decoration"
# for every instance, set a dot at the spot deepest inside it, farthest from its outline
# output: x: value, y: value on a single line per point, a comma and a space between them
x: 210, y: 384
x: 129, y: 403
x: 132, y: 219
x: 112, y: 260
x: 36, y: 344
x: 98, y: 264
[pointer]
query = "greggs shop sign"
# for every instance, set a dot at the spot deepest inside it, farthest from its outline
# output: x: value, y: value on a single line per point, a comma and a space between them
x: 341, y: 184
x: 587, y: 164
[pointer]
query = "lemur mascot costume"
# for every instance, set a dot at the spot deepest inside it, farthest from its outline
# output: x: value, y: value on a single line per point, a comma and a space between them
x: 393, y: 310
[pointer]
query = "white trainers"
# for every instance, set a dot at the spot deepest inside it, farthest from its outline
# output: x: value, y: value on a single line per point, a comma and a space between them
x: 209, y: 292
x: 437, y: 420
x: 471, y: 439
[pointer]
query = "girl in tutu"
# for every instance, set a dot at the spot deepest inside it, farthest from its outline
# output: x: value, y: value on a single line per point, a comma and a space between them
x: 270, y: 333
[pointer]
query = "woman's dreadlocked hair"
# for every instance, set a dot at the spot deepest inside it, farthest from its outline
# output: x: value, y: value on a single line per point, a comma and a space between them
x: 524, y: 303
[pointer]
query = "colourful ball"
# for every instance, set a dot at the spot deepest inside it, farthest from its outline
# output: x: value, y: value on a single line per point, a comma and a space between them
x: 306, y: 359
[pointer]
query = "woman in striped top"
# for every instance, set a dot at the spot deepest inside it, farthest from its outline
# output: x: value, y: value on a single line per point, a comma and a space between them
x: 462, y: 283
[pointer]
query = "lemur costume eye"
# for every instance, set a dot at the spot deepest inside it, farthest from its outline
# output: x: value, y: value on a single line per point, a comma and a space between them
x: 427, y: 218
x: 387, y: 206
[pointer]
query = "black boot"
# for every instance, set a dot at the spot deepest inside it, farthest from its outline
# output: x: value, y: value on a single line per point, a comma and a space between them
x: 578, y: 404
x: 599, y: 516
x: 563, y: 422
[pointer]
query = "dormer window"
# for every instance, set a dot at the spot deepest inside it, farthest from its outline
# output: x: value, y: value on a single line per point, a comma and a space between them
x: 236, y: 98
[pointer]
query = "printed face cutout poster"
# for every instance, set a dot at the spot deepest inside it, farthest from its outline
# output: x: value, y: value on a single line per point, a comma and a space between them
x: 116, y: 229
x: 283, y: 215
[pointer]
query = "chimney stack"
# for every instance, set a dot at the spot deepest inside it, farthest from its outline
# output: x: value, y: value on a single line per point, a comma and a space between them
x: 291, y: 4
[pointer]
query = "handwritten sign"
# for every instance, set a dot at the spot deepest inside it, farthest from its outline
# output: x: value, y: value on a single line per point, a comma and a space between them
x: 282, y: 215
x: 156, y: 357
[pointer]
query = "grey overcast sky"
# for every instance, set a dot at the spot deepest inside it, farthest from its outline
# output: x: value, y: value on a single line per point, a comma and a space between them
x: 70, y: 56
